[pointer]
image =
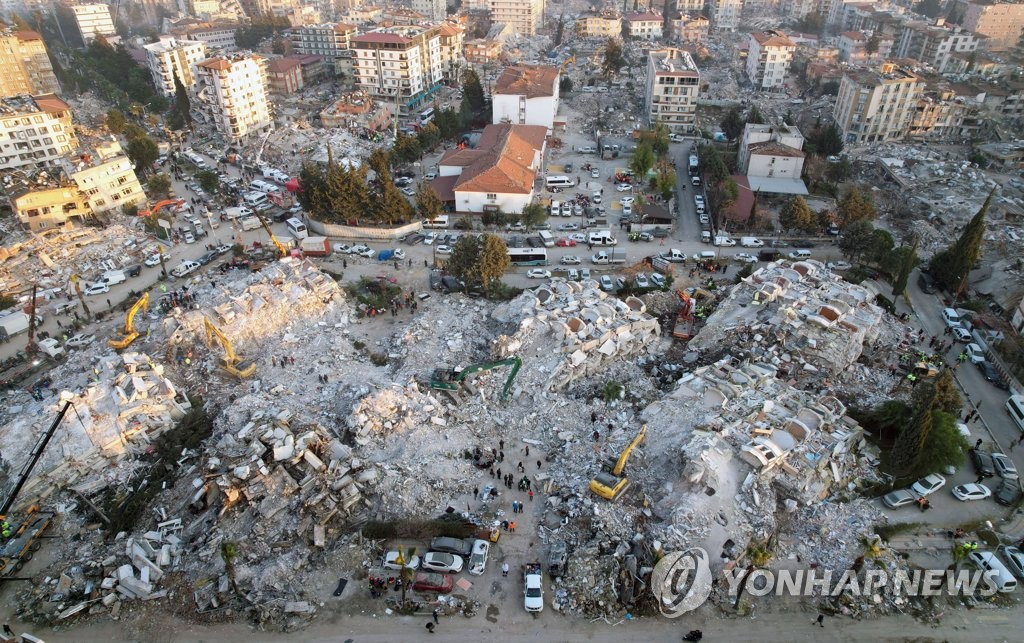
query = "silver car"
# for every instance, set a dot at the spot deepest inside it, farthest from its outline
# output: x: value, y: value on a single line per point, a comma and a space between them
x: 899, y: 498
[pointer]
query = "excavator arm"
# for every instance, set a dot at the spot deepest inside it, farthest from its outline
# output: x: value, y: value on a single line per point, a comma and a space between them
x: 515, y: 362
x: 232, y: 363
x: 620, y: 464
x: 282, y: 252
x: 177, y: 203
x: 130, y: 334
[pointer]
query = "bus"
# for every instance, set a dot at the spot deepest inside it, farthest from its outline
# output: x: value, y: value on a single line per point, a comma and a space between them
x: 426, y: 116
x: 297, y: 228
x: 441, y: 221
x: 528, y: 256
x: 560, y: 181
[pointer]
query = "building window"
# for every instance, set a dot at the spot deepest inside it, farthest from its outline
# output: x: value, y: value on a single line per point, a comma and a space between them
x: 491, y: 196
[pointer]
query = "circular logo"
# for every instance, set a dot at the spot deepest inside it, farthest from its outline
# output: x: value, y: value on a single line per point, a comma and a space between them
x: 681, y: 581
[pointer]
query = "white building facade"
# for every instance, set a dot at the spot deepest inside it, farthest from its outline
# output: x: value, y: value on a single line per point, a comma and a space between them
x: 232, y: 93
x: 673, y: 83
x: 526, y: 95
x: 35, y: 131
x: 768, y: 59
x: 524, y: 16
x: 111, y: 183
x: 407, y: 60
x: 93, y: 20
x: 171, y: 57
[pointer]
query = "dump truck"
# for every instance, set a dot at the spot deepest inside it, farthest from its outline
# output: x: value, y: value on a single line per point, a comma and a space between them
x: 612, y: 255
x: 315, y: 246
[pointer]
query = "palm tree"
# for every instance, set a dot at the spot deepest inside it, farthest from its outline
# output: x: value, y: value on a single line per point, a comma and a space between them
x: 611, y: 391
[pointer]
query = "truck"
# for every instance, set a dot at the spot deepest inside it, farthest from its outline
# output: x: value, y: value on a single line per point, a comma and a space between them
x: 51, y: 347
x: 315, y: 246
x: 251, y: 223
x: 601, y: 238
x: 674, y: 255
x: 612, y: 255
x: 14, y: 323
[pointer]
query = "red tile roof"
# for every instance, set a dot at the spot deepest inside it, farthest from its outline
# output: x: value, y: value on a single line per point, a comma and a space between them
x: 218, y: 64
x: 49, y: 103
x: 502, y: 161
x: 646, y: 16
x: 529, y: 81
x: 381, y: 37
x: 25, y: 35
x: 772, y: 39
x: 282, y: 65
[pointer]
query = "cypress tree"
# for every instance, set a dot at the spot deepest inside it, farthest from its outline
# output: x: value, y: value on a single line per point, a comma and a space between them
x: 951, y: 266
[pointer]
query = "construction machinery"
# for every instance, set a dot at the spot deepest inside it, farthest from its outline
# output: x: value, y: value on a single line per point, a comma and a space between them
x: 231, y: 363
x: 568, y: 61
x: 177, y: 203
x: 130, y: 334
x: 609, y: 483
x: 22, y: 539
x: 282, y: 252
x: 683, y: 328
x: 454, y: 379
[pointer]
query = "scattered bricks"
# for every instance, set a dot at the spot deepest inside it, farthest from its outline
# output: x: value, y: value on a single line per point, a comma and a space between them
x: 164, y: 557
x: 125, y: 571
x: 109, y: 599
x: 298, y: 607
x: 141, y: 562
x: 135, y: 588
x: 283, y: 452
x: 313, y: 461
x: 108, y: 583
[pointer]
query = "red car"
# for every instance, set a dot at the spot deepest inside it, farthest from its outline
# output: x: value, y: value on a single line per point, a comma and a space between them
x: 433, y: 582
x: 565, y: 243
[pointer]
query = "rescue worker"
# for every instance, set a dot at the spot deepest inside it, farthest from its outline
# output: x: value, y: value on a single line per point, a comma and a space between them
x: 5, y: 529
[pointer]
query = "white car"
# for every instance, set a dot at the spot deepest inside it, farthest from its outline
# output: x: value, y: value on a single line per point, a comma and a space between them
x: 358, y: 249
x: 975, y: 353
x: 79, y: 341
x: 745, y: 257
x: 189, y: 237
x: 538, y: 273
x: 408, y: 192
x: 951, y: 317
x: 428, y: 239
x: 627, y: 209
x: 572, y: 274
x: 569, y: 226
x: 584, y: 273
x: 392, y: 556
x: 342, y: 248
x: 657, y: 280
x: 399, y: 254
x: 1014, y: 558
x: 533, y: 595
x: 185, y: 268
x: 641, y: 281
x: 578, y: 237
x: 570, y: 260
x: 971, y: 491
x: 627, y: 200
x: 623, y: 187
x: 595, y: 173
x: 839, y: 265
x: 928, y: 484
x: 368, y: 253
x: 443, y: 250
x: 154, y: 260
x: 478, y: 559
x: 439, y: 561
x: 98, y: 288
x: 606, y: 283
x: 961, y: 334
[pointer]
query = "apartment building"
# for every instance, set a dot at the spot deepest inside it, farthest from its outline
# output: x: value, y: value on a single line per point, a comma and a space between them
x: 524, y: 16
x: 690, y: 28
x: 935, y: 45
x: 50, y: 207
x: 604, y: 25
x: 755, y: 133
x: 526, y: 95
x: 854, y: 47
x: 942, y: 113
x: 1000, y: 22
x: 875, y: 106
x: 407, y: 60
x: 232, y: 94
x: 480, y: 51
x: 326, y: 41
x: 24, y: 65
x: 452, y: 61
x: 284, y: 75
x: 107, y: 179
x: 171, y: 57
x: 93, y: 20
x: 725, y: 14
x: 35, y: 131
x: 645, y: 25
x: 768, y: 58
x: 670, y: 96
x: 432, y: 10
x: 220, y: 39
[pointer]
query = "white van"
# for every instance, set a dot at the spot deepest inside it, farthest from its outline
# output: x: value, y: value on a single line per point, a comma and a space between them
x: 235, y: 213
x: 798, y: 255
x: 1015, y: 407
x: 987, y: 562
x: 751, y: 242
x: 555, y: 208
x: 559, y: 181
x: 546, y: 238
x: 601, y: 238
x: 264, y: 187
x: 297, y: 228
x: 251, y: 223
x: 113, y: 277
x: 256, y: 200
x: 440, y: 221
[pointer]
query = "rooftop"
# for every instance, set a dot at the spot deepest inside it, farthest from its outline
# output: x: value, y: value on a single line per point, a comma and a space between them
x: 26, y: 104
x: 282, y: 65
x: 643, y: 16
x: 772, y: 39
x: 529, y: 81
x: 673, y: 62
x: 502, y: 161
x: 774, y: 148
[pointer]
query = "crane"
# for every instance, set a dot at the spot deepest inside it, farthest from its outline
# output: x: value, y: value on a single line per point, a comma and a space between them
x: 231, y: 363
x: 609, y: 483
x: 130, y: 334
x: 282, y: 252
x: 452, y: 379
x: 24, y: 539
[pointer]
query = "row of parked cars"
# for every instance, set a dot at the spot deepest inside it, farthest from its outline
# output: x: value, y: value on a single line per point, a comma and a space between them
x: 446, y: 556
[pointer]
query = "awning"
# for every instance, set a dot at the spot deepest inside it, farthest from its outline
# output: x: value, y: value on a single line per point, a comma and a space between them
x: 767, y: 185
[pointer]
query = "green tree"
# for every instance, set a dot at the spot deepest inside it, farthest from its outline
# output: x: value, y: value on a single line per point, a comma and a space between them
x: 115, y: 121
x: 277, y: 45
x: 613, y: 57
x: 665, y: 178
x: 831, y: 141
x: 754, y: 116
x: 732, y: 124
x: 880, y: 247
x: 906, y: 266
x: 448, y: 124
x: 906, y: 452
x: 943, y: 447
x: 797, y: 215
x: 855, y: 239
x: 472, y: 92
x: 813, y: 23
x: 143, y: 152
x: 159, y: 185
x: 208, y: 180
x: 839, y: 171
x: 565, y: 85
x: 534, y: 214
x: 715, y: 169
x: 493, y: 260
x: 951, y: 266
x: 312, y: 196
x: 182, y: 104
x: 429, y: 137
x: 855, y: 207
x: 388, y: 204
x: 463, y: 259
x: 642, y: 161
x: 407, y: 149
x: 945, y: 391
x: 871, y: 46
x: 428, y: 204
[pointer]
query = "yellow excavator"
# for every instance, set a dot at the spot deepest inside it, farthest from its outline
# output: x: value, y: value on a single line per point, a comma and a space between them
x: 609, y: 483
x: 130, y: 334
x: 231, y: 363
x: 282, y: 252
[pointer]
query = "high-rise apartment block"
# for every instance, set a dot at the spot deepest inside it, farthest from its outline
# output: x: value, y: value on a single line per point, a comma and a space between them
x: 35, y: 131
x: 24, y: 65
x: 524, y: 16
x: 327, y: 40
x: 93, y: 20
x: 170, y: 58
x: 768, y: 58
x: 407, y: 61
x: 876, y: 106
x: 433, y: 10
x: 1000, y: 22
x: 232, y: 93
x: 673, y: 83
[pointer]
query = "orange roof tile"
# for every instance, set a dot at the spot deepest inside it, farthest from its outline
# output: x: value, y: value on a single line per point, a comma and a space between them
x: 502, y: 161
x: 772, y: 39
x: 531, y: 81
x: 50, y: 103
x: 218, y: 64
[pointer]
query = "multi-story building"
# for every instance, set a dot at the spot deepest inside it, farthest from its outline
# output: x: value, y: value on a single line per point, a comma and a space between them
x: 35, y: 131
x: 876, y: 106
x: 934, y: 45
x: 522, y: 15
x: 941, y: 113
x: 673, y: 83
x: 169, y: 58
x: 406, y: 60
x: 480, y: 51
x: 603, y: 25
x: 690, y: 28
x: 358, y: 112
x: 51, y: 207
x: 754, y: 133
x: 452, y: 61
x: 284, y: 75
x: 854, y: 47
x: 645, y: 25
x: 24, y: 65
x: 526, y: 95
x: 835, y: 11
x: 108, y: 180
x: 725, y: 14
x: 221, y: 39
x: 690, y: 6
x: 768, y: 58
x: 232, y: 94
x: 1000, y: 22
x: 432, y: 10
x: 327, y: 41
x: 93, y: 20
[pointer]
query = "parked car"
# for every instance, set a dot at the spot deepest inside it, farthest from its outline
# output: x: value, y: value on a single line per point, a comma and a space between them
x: 533, y: 595
x: 570, y: 260
x: 961, y: 334
x: 627, y: 200
x: 428, y: 238
x: 456, y: 546
x: 342, y: 248
x: 641, y: 281
x: 1008, y: 492
x: 899, y: 498
x: 1004, y: 466
x: 925, y: 283
x: 565, y: 227
x: 358, y: 249
x: 440, y: 561
x: 98, y: 288
x: 443, y: 250
x: 578, y: 237
x: 433, y: 582
x: 657, y: 280
x: 390, y: 558
x: 566, y: 242
x: 982, y: 463
x: 478, y: 559
x: 928, y: 484
x: 584, y: 274
x: 538, y: 273
x: 975, y: 354
x: 154, y: 259
x: 992, y: 374
x: 595, y: 173
x: 222, y: 249
x: 623, y: 187
x: 399, y: 254
x: 839, y: 265
x: 1014, y: 558
x: 185, y: 268
x: 189, y: 237
x: 745, y: 257
x: 80, y: 340
x: 573, y: 274
x: 971, y: 491
x: 951, y: 317
x: 368, y: 253
x: 606, y: 283
x: 206, y: 257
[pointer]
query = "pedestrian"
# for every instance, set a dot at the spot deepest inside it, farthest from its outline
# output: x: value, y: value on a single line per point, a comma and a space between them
x: 504, y: 569
x: 597, y: 436
x: 492, y: 472
x: 501, y: 444
x: 344, y: 263
x: 593, y: 417
x: 424, y: 263
x: 501, y: 456
x: 527, y: 450
x: 530, y: 494
x: 410, y: 263
x: 515, y: 506
x: 108, y: 303
x: 504, y: 525
x: 7, y: 631
x: 512, y: 527
x: 435, y: 615
x: 430, y: 627
x: 979, y: 480
x: 977, y: 445
x: 291, y: 360
x: 821, y: 620
x: 476, y: 492
x: 59, y: 324
x: 499, y: 474
x: 521, y: 468
x: 538, y: 464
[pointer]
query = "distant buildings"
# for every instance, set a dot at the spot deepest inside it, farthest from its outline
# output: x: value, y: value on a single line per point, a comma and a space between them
x: 768, y: 59
x: 433, y: 10
x: 1000, y: 22
x: 604, y: 25
x: 876, y: 106
x: 690, y: 28
x: 284, y: 75
x: 357, y: 111
x: 934, y: 45
x: 670, y: 96
x: 327, y: 40
x: 480, y: 51
x: 522, y: 15
x: 24, y: 65
x: 93, y: 20
x: 526, y: 95
x: 232, y: 94
x: 725, y: 14
x: 645, y: 25
x: 169, y: 58
x: 407, y: 61
x: 35, y: 132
